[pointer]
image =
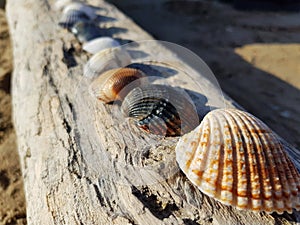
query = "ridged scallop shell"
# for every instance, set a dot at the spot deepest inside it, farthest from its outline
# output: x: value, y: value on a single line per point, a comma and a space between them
x: 81, y: 7
x: 99, y: 44
x: 86, y: 31
x: 235, y: 158
x: 105, y: 60
x: 111, y: 85
x: 160, y: 109
x: 72, y: 17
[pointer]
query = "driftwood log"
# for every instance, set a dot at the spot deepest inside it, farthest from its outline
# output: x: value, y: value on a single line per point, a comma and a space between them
x: 81, y: 165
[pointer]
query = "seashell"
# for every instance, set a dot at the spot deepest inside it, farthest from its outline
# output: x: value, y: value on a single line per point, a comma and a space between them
x: 100, y: 44
x: 160, y: 109
x: 86, y: 31
x: 235, y: 158
x: 71, y: 17
x: 81, y: 7
x: 107, y: 59
x: 110, y: 85
x: 60, y: 4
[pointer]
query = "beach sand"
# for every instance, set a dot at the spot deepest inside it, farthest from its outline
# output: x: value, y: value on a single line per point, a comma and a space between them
x: 12, y: 200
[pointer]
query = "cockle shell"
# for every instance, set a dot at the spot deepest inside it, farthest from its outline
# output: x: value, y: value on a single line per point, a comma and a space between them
x: 99, y: 44
x: 104, y: 60
x: 161, y: 109
x: 71, y: 17
x: 235, y: 158
x: 111, y: 85
x: 86, y: 31
x: 81, y: 7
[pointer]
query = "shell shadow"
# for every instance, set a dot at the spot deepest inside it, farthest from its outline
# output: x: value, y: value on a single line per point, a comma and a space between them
x: 115, y: 30
x: 123, y: 41
x: 280, y: 219
x: 96, y: 8
x: 101, y: 18
x: 154, y: 70
x: 136, y: 54
x: 200, y: 102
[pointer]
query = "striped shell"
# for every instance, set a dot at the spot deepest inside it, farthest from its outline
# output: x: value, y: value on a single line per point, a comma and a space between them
x: 107, y: 59
x: 235, y: 158
x: 111, y: 84
x: 160, y: 109
x: 86, y: 31
x: 71, y: 17
x: 99, y: 44
x: 81, y: 7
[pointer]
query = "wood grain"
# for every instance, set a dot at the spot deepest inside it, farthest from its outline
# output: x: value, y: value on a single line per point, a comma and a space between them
x: 82, y: 162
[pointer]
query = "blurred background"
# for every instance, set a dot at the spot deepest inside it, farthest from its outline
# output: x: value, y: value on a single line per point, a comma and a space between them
x: 251, y: 46
x: 254, y: 50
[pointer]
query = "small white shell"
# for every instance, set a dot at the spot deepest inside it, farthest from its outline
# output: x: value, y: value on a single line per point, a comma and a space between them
x: 107, y: 59
x: 99, y: 44
x: 77, y: 6
x: 71, y: 17
x: 60, y: 4
x: 235, y: 158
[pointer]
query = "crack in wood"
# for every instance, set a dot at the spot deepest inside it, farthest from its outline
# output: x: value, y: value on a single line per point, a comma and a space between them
x: 67, y: 126
x: 99, y: 196
x: 151, y: 201
x: 69, y: 58
x: 74, y: 160
x: 191, y: 222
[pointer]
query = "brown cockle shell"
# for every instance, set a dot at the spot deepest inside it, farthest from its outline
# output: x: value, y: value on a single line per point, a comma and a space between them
x: 111, y: 85
x: 235, y: 158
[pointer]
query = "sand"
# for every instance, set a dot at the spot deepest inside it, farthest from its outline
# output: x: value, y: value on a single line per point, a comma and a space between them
x: 254, y: 55
x: 12, y: 200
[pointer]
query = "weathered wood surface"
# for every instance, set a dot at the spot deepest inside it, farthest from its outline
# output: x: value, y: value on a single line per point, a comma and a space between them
x: 81, y: 165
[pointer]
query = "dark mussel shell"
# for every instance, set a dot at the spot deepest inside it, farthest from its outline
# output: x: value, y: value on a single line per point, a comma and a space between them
x: 161, y: 109
x: 86, y: 31
x: 71, y: 17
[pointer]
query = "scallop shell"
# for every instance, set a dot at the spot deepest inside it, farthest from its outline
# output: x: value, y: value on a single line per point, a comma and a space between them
x: 160, y: 109
x: 81, y: 7
x: 100, y: 44
x: 110, y: 85
x: 86, y: 31
x: 107, y: 59
x: 71, y: 17
x: 235, y: 158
